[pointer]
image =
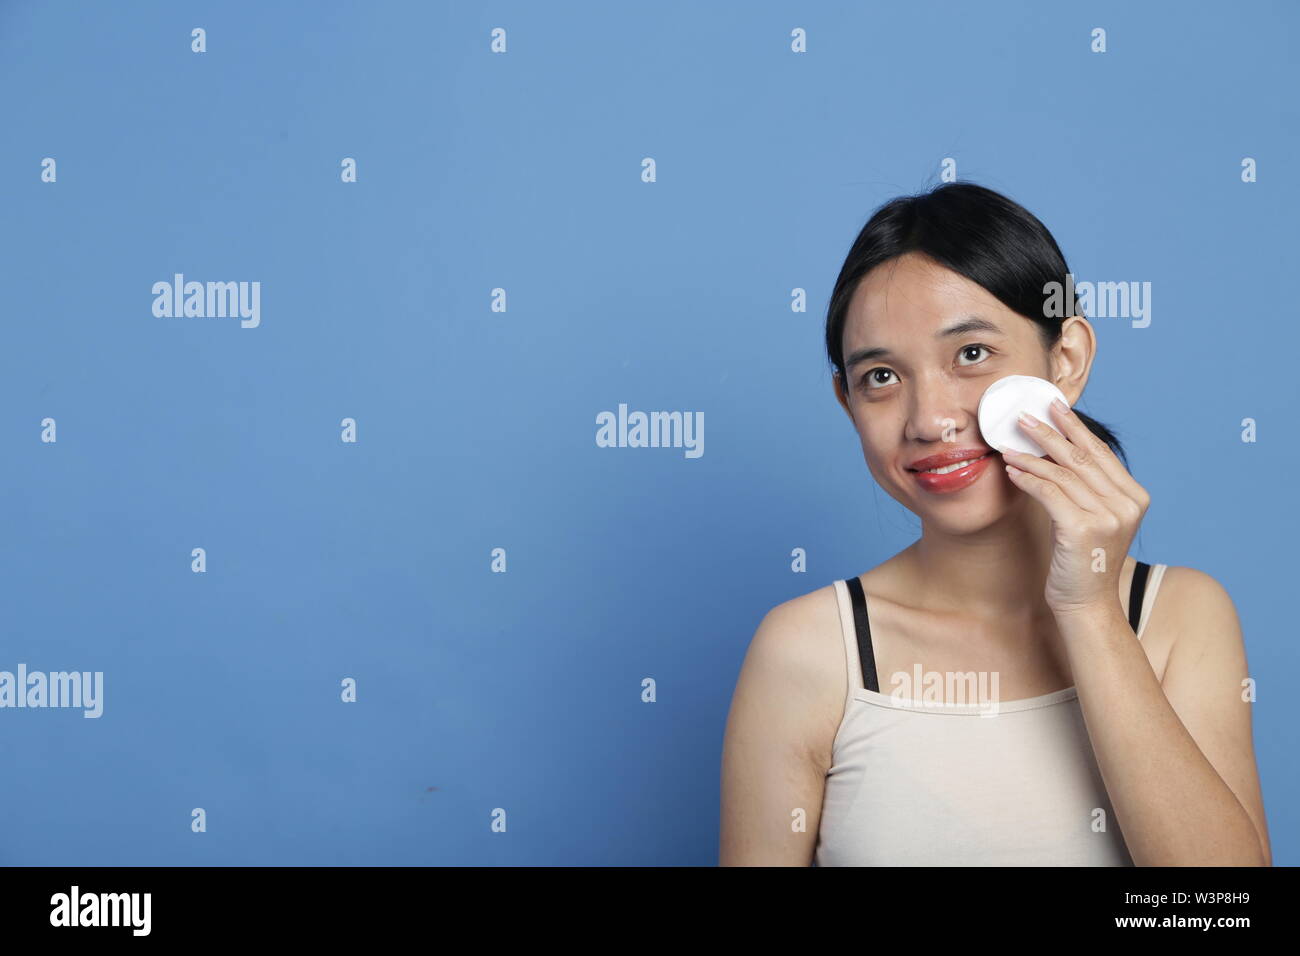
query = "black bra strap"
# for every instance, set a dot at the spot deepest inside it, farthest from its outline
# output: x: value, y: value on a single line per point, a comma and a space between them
x: 866, y: 653
x: 1136, y: 592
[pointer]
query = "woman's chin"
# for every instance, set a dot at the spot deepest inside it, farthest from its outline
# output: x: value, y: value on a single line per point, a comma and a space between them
x: 972, y: 509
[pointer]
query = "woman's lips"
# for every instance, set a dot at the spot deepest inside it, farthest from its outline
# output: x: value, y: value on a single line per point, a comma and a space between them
x: 954, y: 480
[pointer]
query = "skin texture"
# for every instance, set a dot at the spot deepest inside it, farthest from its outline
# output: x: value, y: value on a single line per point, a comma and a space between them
x: 1166, y: 716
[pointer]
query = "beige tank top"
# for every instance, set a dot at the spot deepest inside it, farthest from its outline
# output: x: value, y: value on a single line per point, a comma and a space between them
x: 966, y: 784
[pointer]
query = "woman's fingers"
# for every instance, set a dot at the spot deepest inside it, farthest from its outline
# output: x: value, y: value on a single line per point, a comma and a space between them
x: 1106, y: 459
x: 1073, y: 451
x: 1062, y: 508
x: 1067, y: 481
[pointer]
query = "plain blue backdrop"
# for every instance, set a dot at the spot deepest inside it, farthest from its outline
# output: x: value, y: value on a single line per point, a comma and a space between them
x: 476, y: 428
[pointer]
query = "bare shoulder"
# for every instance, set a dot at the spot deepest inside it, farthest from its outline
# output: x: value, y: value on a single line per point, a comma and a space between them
x: 799, y: 616
x: 1197, y: 607
x: 1192, y: 620
x: 794, y: 670
x: 1194, y: 584
x: 1183, y: 594
x: 1189, y: 595
x: 803, y: 635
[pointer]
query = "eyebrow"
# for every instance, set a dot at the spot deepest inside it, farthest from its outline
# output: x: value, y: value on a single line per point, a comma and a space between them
x: 970, y: 323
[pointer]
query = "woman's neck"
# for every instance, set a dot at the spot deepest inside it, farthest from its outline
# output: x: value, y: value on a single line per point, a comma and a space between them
x: 998, y: 571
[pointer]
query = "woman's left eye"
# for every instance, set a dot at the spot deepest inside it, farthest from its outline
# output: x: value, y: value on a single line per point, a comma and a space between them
x: 974, y: 348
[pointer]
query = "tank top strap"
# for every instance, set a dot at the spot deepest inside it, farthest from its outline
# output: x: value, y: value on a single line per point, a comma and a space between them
x: 845, y: 603
x: 1142, y: 594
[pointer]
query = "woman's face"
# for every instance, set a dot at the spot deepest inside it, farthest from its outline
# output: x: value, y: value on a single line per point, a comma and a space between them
x: 942, y: 340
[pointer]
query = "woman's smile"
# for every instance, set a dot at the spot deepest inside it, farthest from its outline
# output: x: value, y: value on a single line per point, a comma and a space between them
x: 951, y: 471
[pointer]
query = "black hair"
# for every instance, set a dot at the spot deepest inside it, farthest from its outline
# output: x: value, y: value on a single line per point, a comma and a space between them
x: 977, y: 233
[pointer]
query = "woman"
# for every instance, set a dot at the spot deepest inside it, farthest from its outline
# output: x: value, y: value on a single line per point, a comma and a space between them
x: 1119, y: 730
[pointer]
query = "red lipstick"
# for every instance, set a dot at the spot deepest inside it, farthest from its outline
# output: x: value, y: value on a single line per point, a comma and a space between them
x: 957, y: 479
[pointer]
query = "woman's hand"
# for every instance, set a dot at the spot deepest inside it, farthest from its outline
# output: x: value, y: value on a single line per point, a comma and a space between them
x: 1095, y: 506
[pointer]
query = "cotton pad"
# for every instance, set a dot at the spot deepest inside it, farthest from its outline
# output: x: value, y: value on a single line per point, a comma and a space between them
x: 1002, y: 403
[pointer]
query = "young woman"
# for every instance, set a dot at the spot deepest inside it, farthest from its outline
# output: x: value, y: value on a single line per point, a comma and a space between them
x: 1120, y: 730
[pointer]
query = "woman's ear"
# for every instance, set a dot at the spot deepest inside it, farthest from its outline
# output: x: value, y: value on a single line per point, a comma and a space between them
x: 1072, y: 356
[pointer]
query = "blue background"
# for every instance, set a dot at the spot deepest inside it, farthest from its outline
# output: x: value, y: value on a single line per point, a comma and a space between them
x: 476, y: 428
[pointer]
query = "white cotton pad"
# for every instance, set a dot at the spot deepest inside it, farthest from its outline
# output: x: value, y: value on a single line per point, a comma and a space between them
x: 1005, y: 399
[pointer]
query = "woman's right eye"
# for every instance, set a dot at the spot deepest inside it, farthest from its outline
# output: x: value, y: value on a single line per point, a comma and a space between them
x: 873, y: 378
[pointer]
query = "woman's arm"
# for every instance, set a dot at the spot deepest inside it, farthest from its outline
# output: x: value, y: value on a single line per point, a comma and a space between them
x: 1176, y: 758
x: 1176, y: 755
x: 776, y: 744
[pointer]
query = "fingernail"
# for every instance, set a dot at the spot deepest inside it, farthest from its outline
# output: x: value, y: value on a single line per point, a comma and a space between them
x: 1028, y: 419
x: 1059, y: 405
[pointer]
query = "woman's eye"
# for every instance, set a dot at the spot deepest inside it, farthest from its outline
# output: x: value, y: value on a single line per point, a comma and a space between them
x: 881, y: 377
